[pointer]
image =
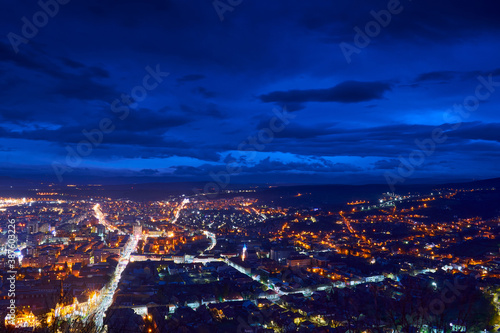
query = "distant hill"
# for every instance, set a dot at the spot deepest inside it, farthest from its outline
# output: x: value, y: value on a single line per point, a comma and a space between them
x: 494, y: 182
x: 296, y: 195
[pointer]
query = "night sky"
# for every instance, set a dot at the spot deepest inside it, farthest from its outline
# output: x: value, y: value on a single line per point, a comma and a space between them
x: 356, y: 104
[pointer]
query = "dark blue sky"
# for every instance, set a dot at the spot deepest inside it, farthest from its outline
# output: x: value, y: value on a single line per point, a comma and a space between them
x: 352, y: 120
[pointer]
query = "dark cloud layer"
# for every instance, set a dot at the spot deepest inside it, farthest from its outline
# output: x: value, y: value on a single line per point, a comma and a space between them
x: 345, y: 92
x: 229, y: 80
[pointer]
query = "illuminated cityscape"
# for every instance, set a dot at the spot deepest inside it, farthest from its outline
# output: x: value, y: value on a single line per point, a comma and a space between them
x: 237, y: 166
x: 104, y: 264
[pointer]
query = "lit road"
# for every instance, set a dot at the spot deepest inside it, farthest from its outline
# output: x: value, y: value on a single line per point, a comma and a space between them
x: 102, y: 220
x: 213, y: 240
x: 106, y: 296
x: 208, y: 234
x: 178, y: 210
x: 348, y: 224
x: 11, y: 202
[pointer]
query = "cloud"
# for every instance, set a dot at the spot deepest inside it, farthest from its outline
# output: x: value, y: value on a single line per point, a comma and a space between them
x: 209, y: 110
x: 386, y: 164
x: 345, y: 92
x: 71, y: 63
x: 2, y: 148
x: 190, y: 78
x: 477, y: 131
x: 146, y: 120
x: 149, y: 172
x: 297, y: 131
x: 427, y: 21
x: 447, y: 76
x: 294, y: 107
x: 437, y: 76
x: 203, y: 92
x: 269, y: 166
x: 83, y: 87
x: 95, y: 71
